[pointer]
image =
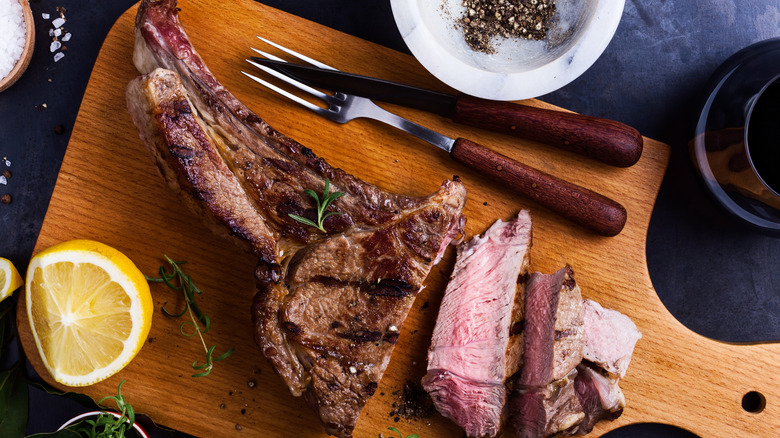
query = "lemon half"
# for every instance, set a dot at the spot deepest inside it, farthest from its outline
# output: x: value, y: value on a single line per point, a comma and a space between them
x: 9, y: 278
x: 90, y: 310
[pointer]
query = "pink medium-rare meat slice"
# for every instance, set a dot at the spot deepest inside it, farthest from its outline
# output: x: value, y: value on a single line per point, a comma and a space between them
x: 329, y: 305
x: 473, y: 350
x: 610, y: 338
x: 543, y: 401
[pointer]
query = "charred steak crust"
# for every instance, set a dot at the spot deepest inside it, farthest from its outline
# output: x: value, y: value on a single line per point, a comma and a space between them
x: 185, y: 155
x: 329, y: 306
x: 273, y: 168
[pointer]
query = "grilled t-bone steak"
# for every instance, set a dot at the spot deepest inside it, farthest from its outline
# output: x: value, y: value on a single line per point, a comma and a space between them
x: 329, y: 305
x: 474, y: 349
x: 544, y: 401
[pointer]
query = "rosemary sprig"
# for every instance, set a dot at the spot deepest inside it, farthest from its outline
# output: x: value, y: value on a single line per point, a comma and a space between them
x: 327, y: 199
x: 185, y: 284
x: 126, y: 412
x: 414, y: 435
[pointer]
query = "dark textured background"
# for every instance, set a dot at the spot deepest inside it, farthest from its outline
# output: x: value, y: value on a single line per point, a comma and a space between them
x: 716, y: 277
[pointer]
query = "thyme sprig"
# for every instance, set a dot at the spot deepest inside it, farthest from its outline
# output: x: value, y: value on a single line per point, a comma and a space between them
x: 184, y: 283
x: 327, y: 199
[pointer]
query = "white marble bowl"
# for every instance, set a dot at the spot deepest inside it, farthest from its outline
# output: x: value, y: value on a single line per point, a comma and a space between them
x: 519, y: 68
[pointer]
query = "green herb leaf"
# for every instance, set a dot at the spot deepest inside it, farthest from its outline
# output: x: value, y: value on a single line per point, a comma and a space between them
x: 303, y: 220
x: 327, y: 199
x: 414, y: 435
x: 189, y: 289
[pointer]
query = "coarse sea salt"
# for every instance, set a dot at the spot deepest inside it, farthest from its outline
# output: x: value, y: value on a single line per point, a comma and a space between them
x: 12, y: 35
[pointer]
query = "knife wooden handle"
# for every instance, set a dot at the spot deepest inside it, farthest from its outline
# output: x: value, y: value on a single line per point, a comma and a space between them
x: 605, y: 140
x: 578, y: 204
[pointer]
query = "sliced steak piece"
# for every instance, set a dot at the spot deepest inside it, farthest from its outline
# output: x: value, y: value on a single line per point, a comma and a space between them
x: 599, y: 395
x: 553, y: 409
x: 474, y: 349
x: 543, y: 401
x: 329, y: 305
x: 610, y: 338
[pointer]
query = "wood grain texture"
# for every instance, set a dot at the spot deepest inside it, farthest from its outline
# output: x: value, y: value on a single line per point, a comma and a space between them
x: 109, y: 190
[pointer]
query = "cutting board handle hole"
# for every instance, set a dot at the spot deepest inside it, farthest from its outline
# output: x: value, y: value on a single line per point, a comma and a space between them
x: 753, y: 402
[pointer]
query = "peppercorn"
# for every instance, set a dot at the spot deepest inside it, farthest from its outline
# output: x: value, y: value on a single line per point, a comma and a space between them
x: 484, y: 20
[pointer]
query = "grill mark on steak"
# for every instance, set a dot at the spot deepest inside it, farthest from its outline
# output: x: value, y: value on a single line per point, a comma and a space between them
x: 517, y: 327
x: 390, y: 288
x: 382, y: 288
x: 236, y: 171
x: 522, y: 278
x: 359, y: 336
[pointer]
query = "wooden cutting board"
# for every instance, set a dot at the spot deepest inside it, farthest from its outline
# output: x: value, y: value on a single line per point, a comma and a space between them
x: 109, y: 190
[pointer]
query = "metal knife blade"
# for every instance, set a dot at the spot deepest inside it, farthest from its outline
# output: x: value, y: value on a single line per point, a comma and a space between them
x: 365, y: 86
x: 604, y: 140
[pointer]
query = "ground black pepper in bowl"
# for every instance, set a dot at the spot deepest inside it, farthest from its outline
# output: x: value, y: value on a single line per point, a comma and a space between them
x: 484, y: 20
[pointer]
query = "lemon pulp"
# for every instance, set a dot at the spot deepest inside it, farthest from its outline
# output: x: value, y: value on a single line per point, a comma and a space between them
x: 89, y: 309
x: 9, y: 278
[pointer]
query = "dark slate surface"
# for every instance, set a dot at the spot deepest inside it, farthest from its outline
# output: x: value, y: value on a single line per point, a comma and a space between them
x: 716, y: 277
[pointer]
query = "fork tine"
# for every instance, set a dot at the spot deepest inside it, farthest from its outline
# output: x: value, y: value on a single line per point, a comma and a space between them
x: 296, y: 54
x: 284, y: 93
x: 300, y: 85
x: 267, y: 55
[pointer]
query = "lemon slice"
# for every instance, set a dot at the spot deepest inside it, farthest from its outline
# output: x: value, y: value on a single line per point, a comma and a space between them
x: 9, y: 278
x: 90, y: 310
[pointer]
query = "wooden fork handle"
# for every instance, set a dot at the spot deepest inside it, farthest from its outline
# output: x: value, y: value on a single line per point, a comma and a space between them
x: 578, y: 204
x: 604, y: 140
